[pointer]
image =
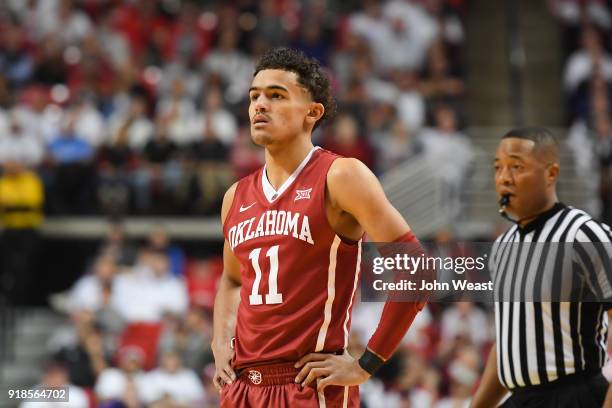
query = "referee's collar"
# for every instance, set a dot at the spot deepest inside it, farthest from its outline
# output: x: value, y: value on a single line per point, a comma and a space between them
x: 541, y: 219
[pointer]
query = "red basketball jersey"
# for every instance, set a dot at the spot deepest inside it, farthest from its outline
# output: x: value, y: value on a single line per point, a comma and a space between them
x: 298, y: 277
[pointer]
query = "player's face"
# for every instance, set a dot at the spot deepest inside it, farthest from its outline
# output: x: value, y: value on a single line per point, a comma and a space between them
x: 279, y: 107
x: 523, y: 175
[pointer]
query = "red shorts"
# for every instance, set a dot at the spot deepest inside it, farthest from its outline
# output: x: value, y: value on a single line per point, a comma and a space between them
x: 273, y: 386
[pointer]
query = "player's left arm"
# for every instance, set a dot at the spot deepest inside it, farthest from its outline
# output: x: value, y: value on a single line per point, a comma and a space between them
x: 353, y: 188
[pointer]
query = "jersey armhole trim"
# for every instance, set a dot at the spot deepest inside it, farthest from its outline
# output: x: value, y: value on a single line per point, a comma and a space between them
x: 232, y: 206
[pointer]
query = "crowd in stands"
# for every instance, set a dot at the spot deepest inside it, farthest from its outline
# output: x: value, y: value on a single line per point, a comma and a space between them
x: 140, y: 328
x: 140, y: 107
x: 586, y: 28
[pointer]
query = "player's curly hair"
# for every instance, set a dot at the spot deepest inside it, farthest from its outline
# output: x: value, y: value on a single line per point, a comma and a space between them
x: 309, y: 73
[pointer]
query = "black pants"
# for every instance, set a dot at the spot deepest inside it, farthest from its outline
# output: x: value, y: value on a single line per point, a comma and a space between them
x: 584, y: 393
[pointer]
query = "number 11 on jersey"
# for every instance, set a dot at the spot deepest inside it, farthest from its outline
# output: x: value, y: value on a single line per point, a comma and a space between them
x: 272, y: 297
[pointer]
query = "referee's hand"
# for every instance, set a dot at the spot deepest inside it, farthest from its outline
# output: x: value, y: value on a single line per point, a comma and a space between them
x: 224, y: 373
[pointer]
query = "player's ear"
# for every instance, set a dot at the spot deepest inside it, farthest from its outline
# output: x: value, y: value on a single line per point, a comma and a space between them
x: 315, y: 112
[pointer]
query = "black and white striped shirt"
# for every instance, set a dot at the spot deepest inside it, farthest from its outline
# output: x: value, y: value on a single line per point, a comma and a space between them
x: 539, y: 341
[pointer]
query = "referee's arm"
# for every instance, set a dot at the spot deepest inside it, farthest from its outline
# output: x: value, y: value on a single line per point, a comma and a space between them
x: 490, y: 391
x: 594, y: 254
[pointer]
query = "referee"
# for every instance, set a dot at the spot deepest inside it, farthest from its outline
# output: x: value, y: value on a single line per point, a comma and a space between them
x: 547, y: 354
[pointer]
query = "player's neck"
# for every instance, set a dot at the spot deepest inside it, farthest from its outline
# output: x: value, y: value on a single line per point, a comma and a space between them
x: 281, y: 163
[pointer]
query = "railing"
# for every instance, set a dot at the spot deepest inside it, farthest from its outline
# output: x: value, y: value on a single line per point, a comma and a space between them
x: 415, y: 190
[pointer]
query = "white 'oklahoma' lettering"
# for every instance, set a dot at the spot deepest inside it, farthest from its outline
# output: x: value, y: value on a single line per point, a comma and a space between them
x: 271, y: 222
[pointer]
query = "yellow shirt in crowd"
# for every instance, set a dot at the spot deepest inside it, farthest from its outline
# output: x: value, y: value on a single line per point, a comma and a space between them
x: 21, y: 200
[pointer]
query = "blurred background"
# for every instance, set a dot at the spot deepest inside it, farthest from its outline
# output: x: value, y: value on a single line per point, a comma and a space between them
x: 123, y: 122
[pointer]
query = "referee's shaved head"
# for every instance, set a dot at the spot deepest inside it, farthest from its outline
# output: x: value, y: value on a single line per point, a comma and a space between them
x: 545, y: 143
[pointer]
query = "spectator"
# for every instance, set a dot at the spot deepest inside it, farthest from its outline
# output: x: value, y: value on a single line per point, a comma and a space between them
x: 74, y: 174
x: 463, y: 319
x: 209, y: 169
x: 149, y: 290
x: 50, y: 68
x: 88, y: 292
x: 15, y: 59
x: 159, y: 173
x: 175, y: 111
x: 441, y: 82
x: 55, y: 376
x: 85, y: 357
x: 451, y: 151
x: 583, y: 63
x: 215, y: 119
x: 202, y: 277
x: 115, y: 162
x: 463, y: 372
x: 117, y: 246
x: 573, y: 14
x: 20, y: 145
x: 397, y: 146
x: 134, y: 127
x: 346, y: 140
x: 189, y: 337
x: 69, y: 22
x: 113, y: 384
x: 88, y: 122
x: 231, y: 65
x: 21, y: 215
x: 410, y: 103
x: 173, y: 384
x: 38, y: 116
x: 159, y: 240
x: 270, y: 27
x: 399, y: 33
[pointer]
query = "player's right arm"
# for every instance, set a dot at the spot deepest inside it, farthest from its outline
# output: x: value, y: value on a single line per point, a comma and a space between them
x: 490, y: 391
x: 226, y: 306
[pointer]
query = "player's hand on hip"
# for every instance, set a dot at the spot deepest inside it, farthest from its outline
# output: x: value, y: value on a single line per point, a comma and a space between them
x: 330, y: 369
x: 224, y: 373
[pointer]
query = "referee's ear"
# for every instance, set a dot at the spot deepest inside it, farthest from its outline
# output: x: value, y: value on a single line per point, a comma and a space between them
x: 552, y: 172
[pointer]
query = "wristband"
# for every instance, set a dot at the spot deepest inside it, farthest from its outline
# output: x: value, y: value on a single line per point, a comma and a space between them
x: 370, y: 362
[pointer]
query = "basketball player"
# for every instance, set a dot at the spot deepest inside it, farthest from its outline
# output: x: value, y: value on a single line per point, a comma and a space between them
x: 293, y: 232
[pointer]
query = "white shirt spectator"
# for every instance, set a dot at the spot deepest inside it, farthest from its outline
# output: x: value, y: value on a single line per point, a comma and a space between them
x: 582, y: 148
x: 89, y: 124
x: 44, y: 125
x: 112, y: 383
x: 183, y: 386
x: 140, y: 130
x: 400, y: 38
x: 411, y: 109
x: 140, y: 296
x: 71, y: 28
x: 86, y: 294
x: 224, y: 126
x: 580, y: 66
x: 451, y: 151
x: 595, y: 11
x: 474, y: 326
x: 78, y: 399
x: 21, y: 146
x: 236, y: 70
x: 182, y: 113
